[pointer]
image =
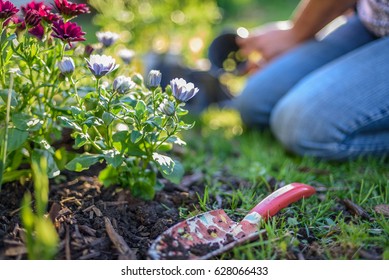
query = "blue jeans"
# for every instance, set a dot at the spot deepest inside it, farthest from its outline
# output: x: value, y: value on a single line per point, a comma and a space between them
x: 326, y: 98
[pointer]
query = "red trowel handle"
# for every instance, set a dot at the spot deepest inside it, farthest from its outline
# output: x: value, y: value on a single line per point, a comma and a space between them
x: 282, y: 198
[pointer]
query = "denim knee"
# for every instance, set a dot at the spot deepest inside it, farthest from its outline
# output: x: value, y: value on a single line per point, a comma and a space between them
x: 301, y: 130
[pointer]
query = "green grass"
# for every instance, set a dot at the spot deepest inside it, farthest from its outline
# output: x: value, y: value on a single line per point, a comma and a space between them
x: 241, y: 170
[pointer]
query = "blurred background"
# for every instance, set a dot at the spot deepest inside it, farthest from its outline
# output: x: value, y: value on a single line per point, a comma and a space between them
x: 174, y: 36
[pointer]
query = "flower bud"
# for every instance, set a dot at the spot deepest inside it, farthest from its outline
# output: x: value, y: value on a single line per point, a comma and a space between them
x: 88, y: 50
x: 126, y: 55
x: 107, y: 38
x: 66, y: 66
x: 154, y: 79
x: 167, y: 107
x: 138, y: 79
x: 123, y: 84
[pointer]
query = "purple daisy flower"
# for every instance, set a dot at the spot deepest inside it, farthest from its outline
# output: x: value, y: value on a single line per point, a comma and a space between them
x: 182, y: 90
x: 68, y: 32
x: 101, y: 65
x: 123, y: 84
x: 7, y: 9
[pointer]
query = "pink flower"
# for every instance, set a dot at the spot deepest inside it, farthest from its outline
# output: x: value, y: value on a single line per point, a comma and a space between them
x: 37, y: 6
x: 67, y: 31
x: 7, y: 9
x: 44, y: 11
x: 69, y: 9
x: 32, y: 18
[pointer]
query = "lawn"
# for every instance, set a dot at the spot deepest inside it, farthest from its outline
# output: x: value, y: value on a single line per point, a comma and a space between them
x: 241, y: 168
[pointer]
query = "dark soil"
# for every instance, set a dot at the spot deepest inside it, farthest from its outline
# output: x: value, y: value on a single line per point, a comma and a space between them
x: 84, y: 213
x: 94, y: 222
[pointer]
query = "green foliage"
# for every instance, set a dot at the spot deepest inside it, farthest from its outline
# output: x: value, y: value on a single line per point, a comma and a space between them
x: 48, y: 87
x: 41, y: 236
x: 183, y: 27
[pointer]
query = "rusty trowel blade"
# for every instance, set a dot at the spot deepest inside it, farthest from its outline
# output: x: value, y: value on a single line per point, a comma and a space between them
x: 203, y: 236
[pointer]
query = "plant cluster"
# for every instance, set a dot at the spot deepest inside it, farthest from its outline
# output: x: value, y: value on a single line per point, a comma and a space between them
x: 51, y: 83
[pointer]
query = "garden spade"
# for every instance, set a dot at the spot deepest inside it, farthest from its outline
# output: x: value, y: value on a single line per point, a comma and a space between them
x: 211, y: 233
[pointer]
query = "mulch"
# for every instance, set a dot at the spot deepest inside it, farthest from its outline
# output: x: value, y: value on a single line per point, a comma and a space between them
x: 94, y: 222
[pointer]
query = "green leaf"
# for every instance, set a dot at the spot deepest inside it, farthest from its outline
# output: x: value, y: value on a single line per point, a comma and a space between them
x: 93, y: 121
x: 12, y: 37
x: 82, y: 162
x: 39, y: 166
x: 75, y: 111
x: 80, y: 140
x: 109, y: 176
x: 16, y: 138
x: 42, y: 142
x: 52, y: 168
x: 165, y: 163
x: 4, y: 96
x: 128, y: 100
x: 26, y: 213
x: 65, y: 122
x: 135, y: 136
x: 15, y: 175
x: 176, y: 175
x: 176, y: 140
x: 113, y: 157
x: 119, y: 140
x: 46, y: 239
x: 140, y: 109
x: 108, y: 118
x: 122, y: 143
x: 143, y: 185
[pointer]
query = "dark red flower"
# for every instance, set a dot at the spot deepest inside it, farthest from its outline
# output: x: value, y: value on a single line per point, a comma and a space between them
x: 7, y: 9
x: 68, y: 9
x: 67, y: 31
x: 32, y: 18
x: 37, y: 31
x: 37, y: 6
x: 88, y: 50
x: 45, y: 12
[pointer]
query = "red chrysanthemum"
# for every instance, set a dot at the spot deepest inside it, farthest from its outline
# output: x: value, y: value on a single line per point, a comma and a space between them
x: 67, y: 31
x: 7, y: 9
x: 68, y: 9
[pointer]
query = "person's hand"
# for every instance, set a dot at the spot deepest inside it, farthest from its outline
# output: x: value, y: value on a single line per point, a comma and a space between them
x: 266, y: 43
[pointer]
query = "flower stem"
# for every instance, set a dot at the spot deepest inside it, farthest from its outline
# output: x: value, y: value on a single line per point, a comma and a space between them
x: 7, y: 119
x: 75, y: 91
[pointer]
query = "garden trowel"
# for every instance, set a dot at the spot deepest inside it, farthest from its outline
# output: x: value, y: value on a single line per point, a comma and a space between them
x: 212, y: 233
